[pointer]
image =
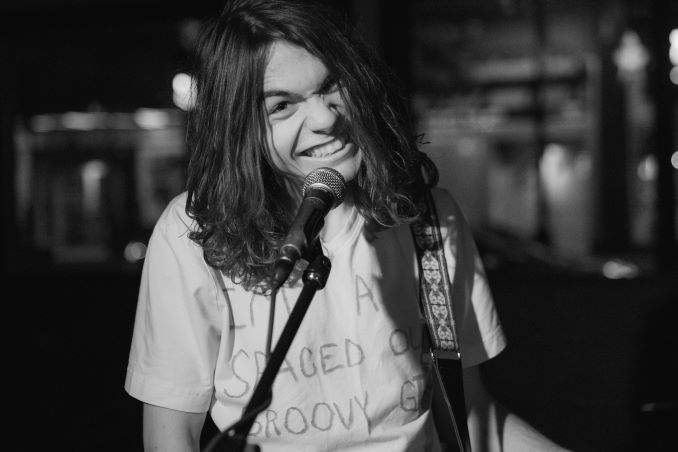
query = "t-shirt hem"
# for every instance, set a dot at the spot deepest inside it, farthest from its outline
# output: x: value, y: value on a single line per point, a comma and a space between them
x: 155, y: 391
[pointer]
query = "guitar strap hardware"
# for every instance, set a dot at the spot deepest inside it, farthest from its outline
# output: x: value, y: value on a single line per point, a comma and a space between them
x: 436, y: 296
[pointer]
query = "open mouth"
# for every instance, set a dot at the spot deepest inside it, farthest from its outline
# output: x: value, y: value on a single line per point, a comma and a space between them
x: 325, y: 149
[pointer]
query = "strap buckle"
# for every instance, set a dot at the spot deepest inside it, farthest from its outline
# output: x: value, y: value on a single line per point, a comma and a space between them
x: 445, y: 354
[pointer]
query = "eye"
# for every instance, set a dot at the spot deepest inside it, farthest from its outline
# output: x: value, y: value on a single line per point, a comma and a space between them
x: 279, y: 107
x: 330, y: 86
x: 332, y: 95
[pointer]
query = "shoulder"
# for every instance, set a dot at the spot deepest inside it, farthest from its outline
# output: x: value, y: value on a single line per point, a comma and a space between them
x: 173, y: 228
x: 455, y: 230
x: 174, y: 216
x: 171, y: 250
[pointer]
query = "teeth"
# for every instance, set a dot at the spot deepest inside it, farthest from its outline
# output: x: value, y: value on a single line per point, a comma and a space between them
x: 325, y: 150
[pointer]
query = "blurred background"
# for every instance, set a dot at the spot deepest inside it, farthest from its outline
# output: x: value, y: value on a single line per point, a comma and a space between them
x: 553, y: 122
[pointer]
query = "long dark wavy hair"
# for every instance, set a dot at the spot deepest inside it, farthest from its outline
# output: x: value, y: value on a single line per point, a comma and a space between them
x: 240, y: 201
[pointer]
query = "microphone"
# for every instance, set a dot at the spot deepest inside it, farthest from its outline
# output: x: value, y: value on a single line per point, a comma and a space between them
x: 323, y: 190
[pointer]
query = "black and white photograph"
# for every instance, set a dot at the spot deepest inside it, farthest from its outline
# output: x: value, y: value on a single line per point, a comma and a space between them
x: 340, y: 225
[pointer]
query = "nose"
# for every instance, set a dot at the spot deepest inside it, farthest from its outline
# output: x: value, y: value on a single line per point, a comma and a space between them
x: 321, y: 115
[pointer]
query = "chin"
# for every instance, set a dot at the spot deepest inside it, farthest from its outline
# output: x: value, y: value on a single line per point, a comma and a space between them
x: 349, y: 169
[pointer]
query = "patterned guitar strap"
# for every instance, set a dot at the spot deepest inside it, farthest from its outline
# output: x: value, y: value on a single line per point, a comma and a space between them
x: 436, y: 295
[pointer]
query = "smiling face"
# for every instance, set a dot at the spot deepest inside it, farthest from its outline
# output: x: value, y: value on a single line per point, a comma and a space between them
x: 307, y: 126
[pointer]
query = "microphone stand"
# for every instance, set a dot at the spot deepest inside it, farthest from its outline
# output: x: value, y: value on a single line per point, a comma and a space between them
x: 314, y: 278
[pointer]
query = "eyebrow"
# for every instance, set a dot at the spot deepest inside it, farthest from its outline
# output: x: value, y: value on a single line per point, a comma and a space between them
x: 279, y: 93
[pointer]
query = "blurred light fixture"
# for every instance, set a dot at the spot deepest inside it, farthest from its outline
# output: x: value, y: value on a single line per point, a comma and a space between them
x: 556, y: 169
x: 134, y: 252
x: 618, y: 269
x: 92, y: 174
x: 674, y: 160
x: 44, y: 123
x: 647, y: 168
x: 77, y: 120
x: 151, y: 119
x: 673, y: 55
x: 184, y: 91
x: 631, y: 56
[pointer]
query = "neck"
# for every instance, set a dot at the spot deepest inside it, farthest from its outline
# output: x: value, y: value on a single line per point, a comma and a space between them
x: 336, y: 219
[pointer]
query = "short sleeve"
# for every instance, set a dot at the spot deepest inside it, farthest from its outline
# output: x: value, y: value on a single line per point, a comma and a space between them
x: 479, y: 328
x: 178, y: 322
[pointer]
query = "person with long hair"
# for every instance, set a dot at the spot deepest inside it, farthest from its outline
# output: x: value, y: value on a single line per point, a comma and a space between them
x: 285, y: 88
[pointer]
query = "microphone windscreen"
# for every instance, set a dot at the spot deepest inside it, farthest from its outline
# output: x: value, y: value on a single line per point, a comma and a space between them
x: 327, y: 179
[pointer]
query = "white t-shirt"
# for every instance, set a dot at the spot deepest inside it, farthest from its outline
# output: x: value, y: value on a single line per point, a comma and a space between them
x: 355, y: 377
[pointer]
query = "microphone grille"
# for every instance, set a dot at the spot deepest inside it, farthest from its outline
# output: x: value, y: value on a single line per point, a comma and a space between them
x: 328, y: 179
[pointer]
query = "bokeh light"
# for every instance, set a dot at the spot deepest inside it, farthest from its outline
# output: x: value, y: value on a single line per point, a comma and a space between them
x: 135, y: 251
x: 184, y: 91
